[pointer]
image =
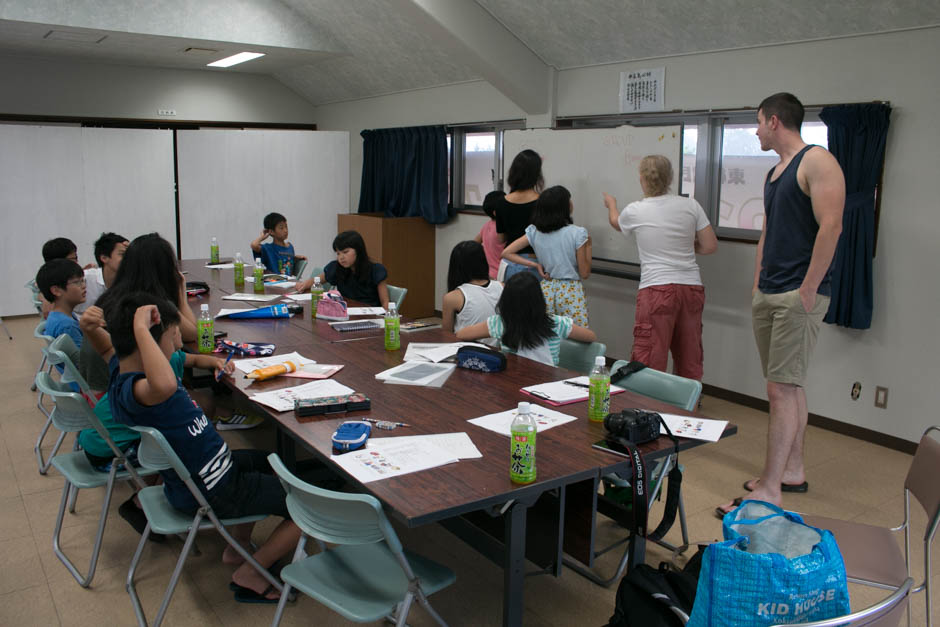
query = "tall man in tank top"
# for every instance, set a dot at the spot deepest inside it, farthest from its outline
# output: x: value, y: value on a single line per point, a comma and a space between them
x: 803, y: 199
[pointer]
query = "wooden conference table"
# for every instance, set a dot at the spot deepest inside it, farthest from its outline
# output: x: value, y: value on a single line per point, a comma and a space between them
x: 473, y: 498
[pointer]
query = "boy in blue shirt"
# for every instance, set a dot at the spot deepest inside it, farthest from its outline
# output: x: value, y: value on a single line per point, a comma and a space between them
x: 277, y: 256
x: 62, y: 283
x: 144, y: 390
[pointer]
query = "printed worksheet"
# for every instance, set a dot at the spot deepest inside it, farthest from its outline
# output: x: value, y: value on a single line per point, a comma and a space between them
x: 391, y: 460
x: 457, y: 445
x: 545, y: 419
x: 283, y: 399
x: 695, y: 428
x: 247, y: 365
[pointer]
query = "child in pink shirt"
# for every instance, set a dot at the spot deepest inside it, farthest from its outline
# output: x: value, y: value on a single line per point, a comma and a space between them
x: 492, y: 244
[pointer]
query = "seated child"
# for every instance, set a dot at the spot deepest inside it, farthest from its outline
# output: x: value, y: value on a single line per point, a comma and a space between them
x: 355, y: 275
x: 144, y: 390
x: 62, y: 283
x: 277, y: 256
x: 522, y: 324
x: 472, y: 295
x: 60, y: 248
x: 97, y: 451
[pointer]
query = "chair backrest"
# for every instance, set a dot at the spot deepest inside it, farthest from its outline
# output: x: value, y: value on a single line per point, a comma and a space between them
x: 335, y: 517
x: 34, y: 294
x: 579, y: 356
x: 665, y: 387
x: 63, y: 352
x: 40, y: 333
x: 155, y: 453
x: 397, y: 295
x: 299, y: 268
x: 922, y: 477
x: 71, y: 411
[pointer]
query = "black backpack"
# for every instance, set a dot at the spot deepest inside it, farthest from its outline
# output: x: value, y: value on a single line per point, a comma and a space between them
x: 657, y: 597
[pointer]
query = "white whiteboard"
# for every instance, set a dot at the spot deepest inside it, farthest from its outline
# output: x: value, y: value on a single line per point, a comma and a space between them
x: 230, y: 179
x: 591, y: 161
x: 77, y: 182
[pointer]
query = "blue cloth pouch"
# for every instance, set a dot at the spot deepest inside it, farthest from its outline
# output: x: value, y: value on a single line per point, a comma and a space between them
x: 481, y: 358
x: 772, y: 569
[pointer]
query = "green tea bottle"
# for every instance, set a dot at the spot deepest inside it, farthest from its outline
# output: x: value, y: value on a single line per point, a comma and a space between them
x: 205, y: 330
x: 392, y: 328
x: 239, y: 269
x: 214, y: 251
x: 259, y: 276
x: 522, y: 446
x: 599, y: 394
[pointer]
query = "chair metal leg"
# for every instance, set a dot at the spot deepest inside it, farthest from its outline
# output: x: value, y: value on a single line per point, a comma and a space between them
x: 235, y: 544
x: 174, y: 579
x: 280, y: 606
x: 129, y: 582
x: 83, y: 580
x: 423, y: 601
x: 45, y: 464
x: 403, y: 608
x: 42, y: 364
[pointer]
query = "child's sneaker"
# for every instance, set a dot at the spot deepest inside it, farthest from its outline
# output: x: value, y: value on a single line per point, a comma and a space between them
x: 238, y: 421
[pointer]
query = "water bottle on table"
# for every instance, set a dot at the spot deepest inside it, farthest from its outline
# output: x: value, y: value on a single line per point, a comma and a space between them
x: 522, y: 445
x: 316, y: 291
x: 214, y: 251
x: 259, y: 276
x: 239, y: 269
x: 205, y: 328
x: 392, y: 328
x: 599, y: 391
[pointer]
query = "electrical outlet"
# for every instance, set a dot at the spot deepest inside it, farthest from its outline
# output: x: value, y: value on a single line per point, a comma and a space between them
x: 166, y: 111
x: 881, y: 397
x: 856, y: 390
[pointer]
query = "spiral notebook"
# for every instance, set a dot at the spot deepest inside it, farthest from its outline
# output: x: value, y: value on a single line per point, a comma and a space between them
x: 359, y: 325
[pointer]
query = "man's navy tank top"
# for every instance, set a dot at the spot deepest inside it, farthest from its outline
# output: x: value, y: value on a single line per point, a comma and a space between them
x: 790, y: 233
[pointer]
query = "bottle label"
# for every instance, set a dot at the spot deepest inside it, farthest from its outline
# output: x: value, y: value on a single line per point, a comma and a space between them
x: 259, y: 279
x: 599, y: 398
x: 315, y: 296
x: 522, y: 456
x: 239, y: 273
x: 214, y: 254
x: 206, y: 337
x: 392, y: 339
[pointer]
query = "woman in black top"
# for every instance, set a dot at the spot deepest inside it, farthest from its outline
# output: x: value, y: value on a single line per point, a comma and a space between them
x: 514, y: 211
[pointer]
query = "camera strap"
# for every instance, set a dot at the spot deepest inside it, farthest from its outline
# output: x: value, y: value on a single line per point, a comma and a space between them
x: 673, y: 489
x: 626, y: 370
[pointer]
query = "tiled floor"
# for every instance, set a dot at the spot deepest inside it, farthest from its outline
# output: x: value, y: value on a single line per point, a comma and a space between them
x: 849, y: 479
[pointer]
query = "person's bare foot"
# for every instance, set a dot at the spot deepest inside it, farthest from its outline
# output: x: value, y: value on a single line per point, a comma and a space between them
x: 247, y: 577
x: 232, y: 557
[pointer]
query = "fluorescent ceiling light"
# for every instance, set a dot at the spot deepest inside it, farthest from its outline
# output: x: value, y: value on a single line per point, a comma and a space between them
x: 235, y: 59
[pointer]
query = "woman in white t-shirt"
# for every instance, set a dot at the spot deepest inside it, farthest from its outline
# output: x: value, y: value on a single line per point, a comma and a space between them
x: 471, y: 295
x: 669, y: 231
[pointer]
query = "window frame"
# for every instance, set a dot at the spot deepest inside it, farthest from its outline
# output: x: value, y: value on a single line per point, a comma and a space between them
x: 458, y: 133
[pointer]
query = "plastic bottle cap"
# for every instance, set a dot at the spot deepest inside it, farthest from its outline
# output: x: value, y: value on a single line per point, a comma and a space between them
x: 600, y: 360
x: 258, y: 261
x: 523, y: 407
x: 214, y: 240
x: 203, y: 307
x: 392, y: 307
x: 238, y: 257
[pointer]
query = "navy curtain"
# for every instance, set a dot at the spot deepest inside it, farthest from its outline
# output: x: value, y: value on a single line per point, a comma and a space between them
x: 404, y: 172
x: 857, y: 136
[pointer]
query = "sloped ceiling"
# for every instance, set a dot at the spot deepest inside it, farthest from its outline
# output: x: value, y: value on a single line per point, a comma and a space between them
x: 575, y: 33
x: 337, y: 50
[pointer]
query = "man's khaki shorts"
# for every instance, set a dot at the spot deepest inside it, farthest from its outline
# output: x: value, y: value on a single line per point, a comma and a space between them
x: 786, y: 334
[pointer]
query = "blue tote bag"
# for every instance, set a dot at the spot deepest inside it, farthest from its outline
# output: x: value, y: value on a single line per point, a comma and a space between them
x: 772, y: 569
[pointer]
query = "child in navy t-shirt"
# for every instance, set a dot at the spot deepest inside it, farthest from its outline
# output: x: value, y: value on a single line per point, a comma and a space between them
x: 278, y: 255
x: 145, y: 391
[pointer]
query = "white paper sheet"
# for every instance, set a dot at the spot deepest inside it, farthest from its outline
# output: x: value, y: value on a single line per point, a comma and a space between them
x: 562, y: 392
x: 545, y: 419
x: 417, y: 373
x: 433, y: 352
x: 300, y: 298
x: 281, y: 283
x: 457, y: 445
x: 400, y: 458
x: 695, y: 428
x: 225, y: 312
x: 365, y: 311
x: 247, y: 365
x: 283, y: 399
x: 245, y: 296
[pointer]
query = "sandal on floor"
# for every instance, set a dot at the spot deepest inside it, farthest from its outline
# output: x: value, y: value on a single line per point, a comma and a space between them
x: 247, y: 595
x: 720, y: 513
x: 784, y: 487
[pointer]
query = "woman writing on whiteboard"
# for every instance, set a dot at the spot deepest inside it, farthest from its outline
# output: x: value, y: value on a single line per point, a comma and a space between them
x: 514, y: 211
x: 669, y: 230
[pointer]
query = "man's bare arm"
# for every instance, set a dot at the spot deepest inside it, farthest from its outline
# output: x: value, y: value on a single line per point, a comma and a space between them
x: 826, y: 185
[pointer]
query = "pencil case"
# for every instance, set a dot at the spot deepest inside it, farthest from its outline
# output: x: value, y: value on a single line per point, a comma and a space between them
x: 351, y: 436
x: 306, y: 407
x: 480, y: 358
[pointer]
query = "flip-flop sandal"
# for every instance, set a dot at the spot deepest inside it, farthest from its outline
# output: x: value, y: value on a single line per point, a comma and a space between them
x: 247, y: 595
x: 784, y: 487
x: 720, y: 513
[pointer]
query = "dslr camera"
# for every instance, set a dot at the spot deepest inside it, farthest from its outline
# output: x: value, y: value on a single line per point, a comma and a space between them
x: 634, y: 425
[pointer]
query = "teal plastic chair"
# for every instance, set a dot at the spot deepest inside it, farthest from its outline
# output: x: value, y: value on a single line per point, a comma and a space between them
x: 665, y: 387
x: 71, y: 414
x: 397, y: 295
x: 40, y: 334
x: 154, y: 454
x: 67, y: 358
x: 369, y: 575
x: 579, y: 356
x: 299, y: 268
x: 668, y: 388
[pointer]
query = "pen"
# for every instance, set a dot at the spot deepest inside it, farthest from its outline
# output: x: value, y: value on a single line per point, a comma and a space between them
x: 576, y: 384
x: 380, y: 422
x: 218, y: 377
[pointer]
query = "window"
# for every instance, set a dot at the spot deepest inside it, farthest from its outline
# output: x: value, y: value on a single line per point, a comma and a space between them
x: 475, y: 157
x: 479, y: 158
